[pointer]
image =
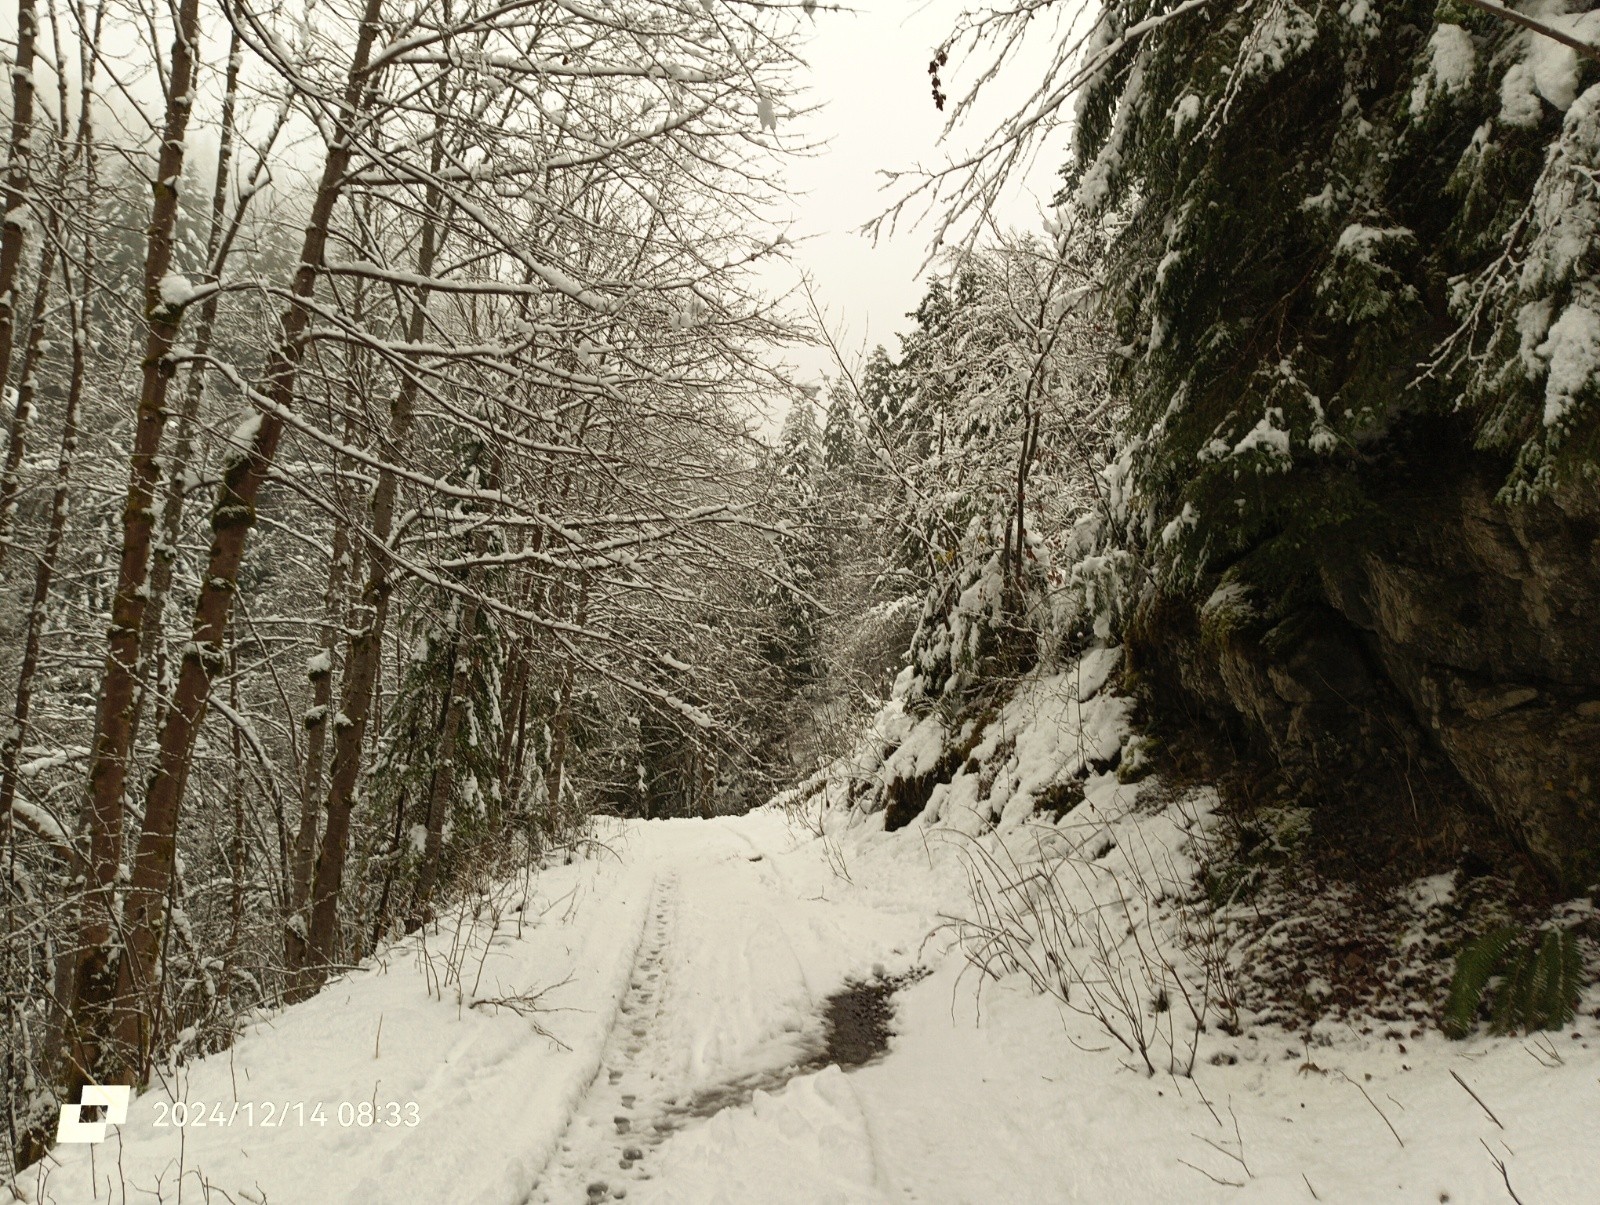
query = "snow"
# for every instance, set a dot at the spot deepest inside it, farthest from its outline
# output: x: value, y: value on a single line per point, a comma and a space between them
x: 1519, y: 103
x: 1554, y: 66
x: 1185, y: 112
x: 1361, y: 241
x: 1283, y: 33
x: 685, y: 963
x: 1267, y: 435
x: 1229, y: 597
x: 1572, y: 349
x: 1095, y: 186
x: 1451, y: 60
x: 42, y: 823
x: 175, y: 290
x: 1185, y: 518
x: 1359, y: 13
x: 243, y: 436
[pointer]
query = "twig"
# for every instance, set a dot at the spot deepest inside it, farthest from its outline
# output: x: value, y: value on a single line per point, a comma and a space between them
x: 1468, y: 1090
x: 1500, y: 1166
x: 1209, y: 1176
x: 1376, y: 1110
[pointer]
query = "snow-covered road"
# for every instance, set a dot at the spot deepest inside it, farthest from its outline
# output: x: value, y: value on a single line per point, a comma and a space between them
x: 681, y: 972
x: 724, y: 1001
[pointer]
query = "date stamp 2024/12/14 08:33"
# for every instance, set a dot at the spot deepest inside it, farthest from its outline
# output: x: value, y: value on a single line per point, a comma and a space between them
x: 110, y: 1102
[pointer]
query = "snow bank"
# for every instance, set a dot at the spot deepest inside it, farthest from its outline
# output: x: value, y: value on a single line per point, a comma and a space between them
x: 391, y: 1085
x: 1002, y: 1087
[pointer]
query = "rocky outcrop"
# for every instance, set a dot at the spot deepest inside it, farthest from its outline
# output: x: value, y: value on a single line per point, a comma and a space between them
x: 1457, y: 645
x: 1486, y: 618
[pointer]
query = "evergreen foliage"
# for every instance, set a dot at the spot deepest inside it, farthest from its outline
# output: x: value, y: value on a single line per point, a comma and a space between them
x: 401, y: 784
x: 799, y: 464
x: 1532, y: 980
x: 1339, y: 217
x: 995, y: 421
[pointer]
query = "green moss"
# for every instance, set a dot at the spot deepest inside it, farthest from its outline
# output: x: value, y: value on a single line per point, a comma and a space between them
x: 1138, y: 759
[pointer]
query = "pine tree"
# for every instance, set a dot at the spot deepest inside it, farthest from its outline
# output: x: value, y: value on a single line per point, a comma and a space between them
x: 841, y: 435
x: 796, y: 616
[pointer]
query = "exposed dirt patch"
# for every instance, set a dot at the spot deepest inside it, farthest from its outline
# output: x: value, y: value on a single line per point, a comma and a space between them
x: 860, y: 1019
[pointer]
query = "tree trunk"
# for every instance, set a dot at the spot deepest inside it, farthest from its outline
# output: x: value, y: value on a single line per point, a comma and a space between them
x: 59, y: 1039
x: 33, y: 635
x: 18, y: 183
x: 444, y: 774
x: 98, y: 972
x: 320, y: 672
x: 555, y: 766
x: 513, y: 688
x: 27, y: 389
x: 144, y: 914
x: 239, y: 853
x: 152, y: 660
x: 365, y: 650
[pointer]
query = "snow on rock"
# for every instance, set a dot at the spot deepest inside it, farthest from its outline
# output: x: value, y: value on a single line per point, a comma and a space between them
x: 1229, y: 598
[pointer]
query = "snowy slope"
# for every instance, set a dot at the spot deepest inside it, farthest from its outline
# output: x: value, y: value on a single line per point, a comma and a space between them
x: 693, y: 958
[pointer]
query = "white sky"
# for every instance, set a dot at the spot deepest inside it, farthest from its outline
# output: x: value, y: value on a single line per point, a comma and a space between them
x: 869, y: 72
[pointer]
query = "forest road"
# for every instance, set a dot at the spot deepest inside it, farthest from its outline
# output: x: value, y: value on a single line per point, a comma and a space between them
x: 722, y: 1018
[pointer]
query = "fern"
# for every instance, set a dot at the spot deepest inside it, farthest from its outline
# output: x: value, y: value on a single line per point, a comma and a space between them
x: 1477, y: 963
x: 1513, y: 990
x: 1553, y: 988
x: 1532, y: 978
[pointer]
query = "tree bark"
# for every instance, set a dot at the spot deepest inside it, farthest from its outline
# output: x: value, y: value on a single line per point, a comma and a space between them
x: 98, y: 971
x: 144, y: 913
x: 27, y: 390
x: 444, y: 771
x: 33, y: 635
x: 316, y: 724
x: 365, y: 649
x: 152, y: 661
x: 18, y: 181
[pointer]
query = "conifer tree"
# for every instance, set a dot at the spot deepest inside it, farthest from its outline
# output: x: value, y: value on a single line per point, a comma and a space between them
x: 798, y: 469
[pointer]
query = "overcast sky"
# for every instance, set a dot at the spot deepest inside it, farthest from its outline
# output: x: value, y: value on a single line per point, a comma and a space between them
x: 869, y: 72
